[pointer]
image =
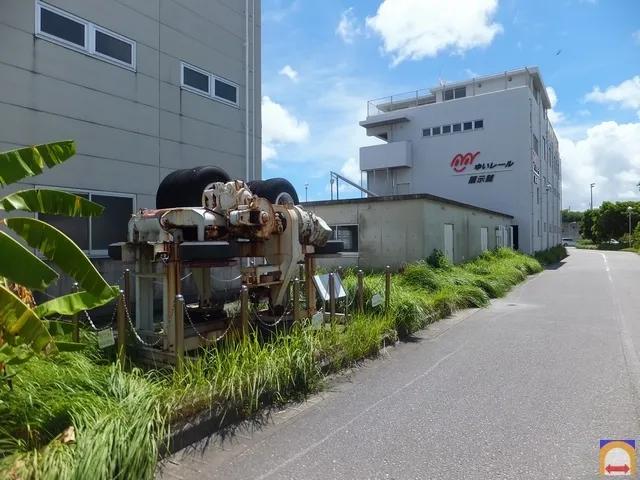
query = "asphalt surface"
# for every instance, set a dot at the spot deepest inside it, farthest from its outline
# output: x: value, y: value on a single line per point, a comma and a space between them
x: 522, y: 390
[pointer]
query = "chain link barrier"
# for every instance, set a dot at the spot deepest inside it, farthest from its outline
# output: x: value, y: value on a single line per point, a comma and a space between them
x: 224, y: 334
x: 137, y: 335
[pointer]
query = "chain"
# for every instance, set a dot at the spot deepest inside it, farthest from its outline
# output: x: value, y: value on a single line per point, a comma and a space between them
x: 268, y: 324
x: 135, y: 332
x: 226, y: 279
x: 88, y: 318
x: 188, y: 317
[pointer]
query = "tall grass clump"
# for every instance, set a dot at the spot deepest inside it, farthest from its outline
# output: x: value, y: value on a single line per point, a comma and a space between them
x: 245, y: 374
x: 118, y: 421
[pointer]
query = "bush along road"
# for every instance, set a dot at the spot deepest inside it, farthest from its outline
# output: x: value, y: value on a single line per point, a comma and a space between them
x: 78, y: 412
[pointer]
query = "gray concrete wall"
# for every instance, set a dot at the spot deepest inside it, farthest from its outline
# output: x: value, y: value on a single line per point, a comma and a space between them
x: 397, y: 231
x: 131, y: 126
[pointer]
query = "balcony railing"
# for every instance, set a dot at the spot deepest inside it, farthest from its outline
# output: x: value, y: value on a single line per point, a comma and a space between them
x: 400, y: 102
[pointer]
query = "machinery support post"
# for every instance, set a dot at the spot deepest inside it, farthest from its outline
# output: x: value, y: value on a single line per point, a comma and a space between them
x: 296, y: 300
x: 244, y: 310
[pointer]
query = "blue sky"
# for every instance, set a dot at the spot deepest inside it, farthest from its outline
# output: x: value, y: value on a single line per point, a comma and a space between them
x: 322, y: 62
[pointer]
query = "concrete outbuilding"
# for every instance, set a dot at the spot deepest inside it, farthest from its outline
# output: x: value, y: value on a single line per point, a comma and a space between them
x: 391, y: 230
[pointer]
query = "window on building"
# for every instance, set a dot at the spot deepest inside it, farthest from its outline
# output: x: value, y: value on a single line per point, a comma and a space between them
x: 426, y: 132
x: 348, y: 234
x: 95, y: 234
x: 453, y: 93
x: 113, y: 46
x: 194, y: 78
x: 468, y: 126
x: 446, y: 129
x: 478, y: 124
x: 205, y: 83
x: 457, y: 127
x: 62, y: 26
x: 535, y: 144
x: 435, y: 131
x: 65, y: 29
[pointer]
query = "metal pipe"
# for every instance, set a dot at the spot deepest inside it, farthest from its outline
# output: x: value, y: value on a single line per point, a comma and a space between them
x: 353, y: 184
x: 246, y: 86
x: 253, y: 80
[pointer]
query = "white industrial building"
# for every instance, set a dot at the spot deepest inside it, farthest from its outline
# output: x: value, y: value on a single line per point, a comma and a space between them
x: 485, y: 142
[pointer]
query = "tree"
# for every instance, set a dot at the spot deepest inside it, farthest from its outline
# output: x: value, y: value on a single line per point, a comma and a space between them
x: 23, y: 328
x: 570, y: 216
x: 589, y: 218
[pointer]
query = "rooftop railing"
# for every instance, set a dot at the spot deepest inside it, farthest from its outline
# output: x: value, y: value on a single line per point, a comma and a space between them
x: 401, y: 101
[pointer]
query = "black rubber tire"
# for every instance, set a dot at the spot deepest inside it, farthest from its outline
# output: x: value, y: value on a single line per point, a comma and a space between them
x: 331, y: 247
x: 184, y: 188
x: 253, y: 185
x: 272, y: 188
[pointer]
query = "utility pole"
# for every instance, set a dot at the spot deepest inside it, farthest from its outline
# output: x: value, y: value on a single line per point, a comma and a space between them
x: 306, y: 188
x: 592, y: 185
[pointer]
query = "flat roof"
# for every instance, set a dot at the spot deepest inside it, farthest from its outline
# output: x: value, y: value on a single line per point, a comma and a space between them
x: 414, y: 196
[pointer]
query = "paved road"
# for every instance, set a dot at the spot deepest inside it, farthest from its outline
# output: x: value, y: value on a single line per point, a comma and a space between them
x: 522, y: 390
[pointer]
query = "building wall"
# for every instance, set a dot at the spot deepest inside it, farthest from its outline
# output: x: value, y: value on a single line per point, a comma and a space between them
x: 132, y: 126
x: 511, y: 113
x: 406, y: 230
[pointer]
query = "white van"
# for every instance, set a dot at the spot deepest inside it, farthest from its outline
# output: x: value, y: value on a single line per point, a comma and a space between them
x: 568, y: 242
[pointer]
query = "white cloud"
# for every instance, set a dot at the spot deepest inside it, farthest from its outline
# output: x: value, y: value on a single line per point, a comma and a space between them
x: 287, y: 71
x: 627, y: 94
x: 555, y: 117
x: 636, y: 37
x: 348, y: 28
x: 584, y: 113
x: 607, y: 155
x: 415, y: 29
x: 279, y: 127
x: 471, y: 73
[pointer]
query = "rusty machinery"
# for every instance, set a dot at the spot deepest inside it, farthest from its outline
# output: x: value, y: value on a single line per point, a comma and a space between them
x: 231, y: 223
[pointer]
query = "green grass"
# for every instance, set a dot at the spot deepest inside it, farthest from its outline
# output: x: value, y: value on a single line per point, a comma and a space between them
x: 122, y: 419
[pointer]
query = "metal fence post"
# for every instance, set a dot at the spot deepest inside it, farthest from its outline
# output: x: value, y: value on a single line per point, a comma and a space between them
x: 122, y: 330
x: 332, y: 297
x: 387, y: 290
x: 341, y: 272
x: 127, y: 290
x: 178, y: 316
x: 75, y: 318
x: 361, y: 291
x: 244, y: 309
x: 296, y: 300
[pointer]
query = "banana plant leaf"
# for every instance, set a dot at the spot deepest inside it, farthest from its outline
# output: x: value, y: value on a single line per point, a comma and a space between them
x: 16, y: 165
x: 18, y: 319
x: 21, y: 266
x: 73, y: 303
x: 14, y: 355
x: 61, y: 250
x: 56, y: 328
x: 53, y: 202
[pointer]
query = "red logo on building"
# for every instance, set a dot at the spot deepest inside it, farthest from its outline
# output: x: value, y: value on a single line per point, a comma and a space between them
x: 460, y: 162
